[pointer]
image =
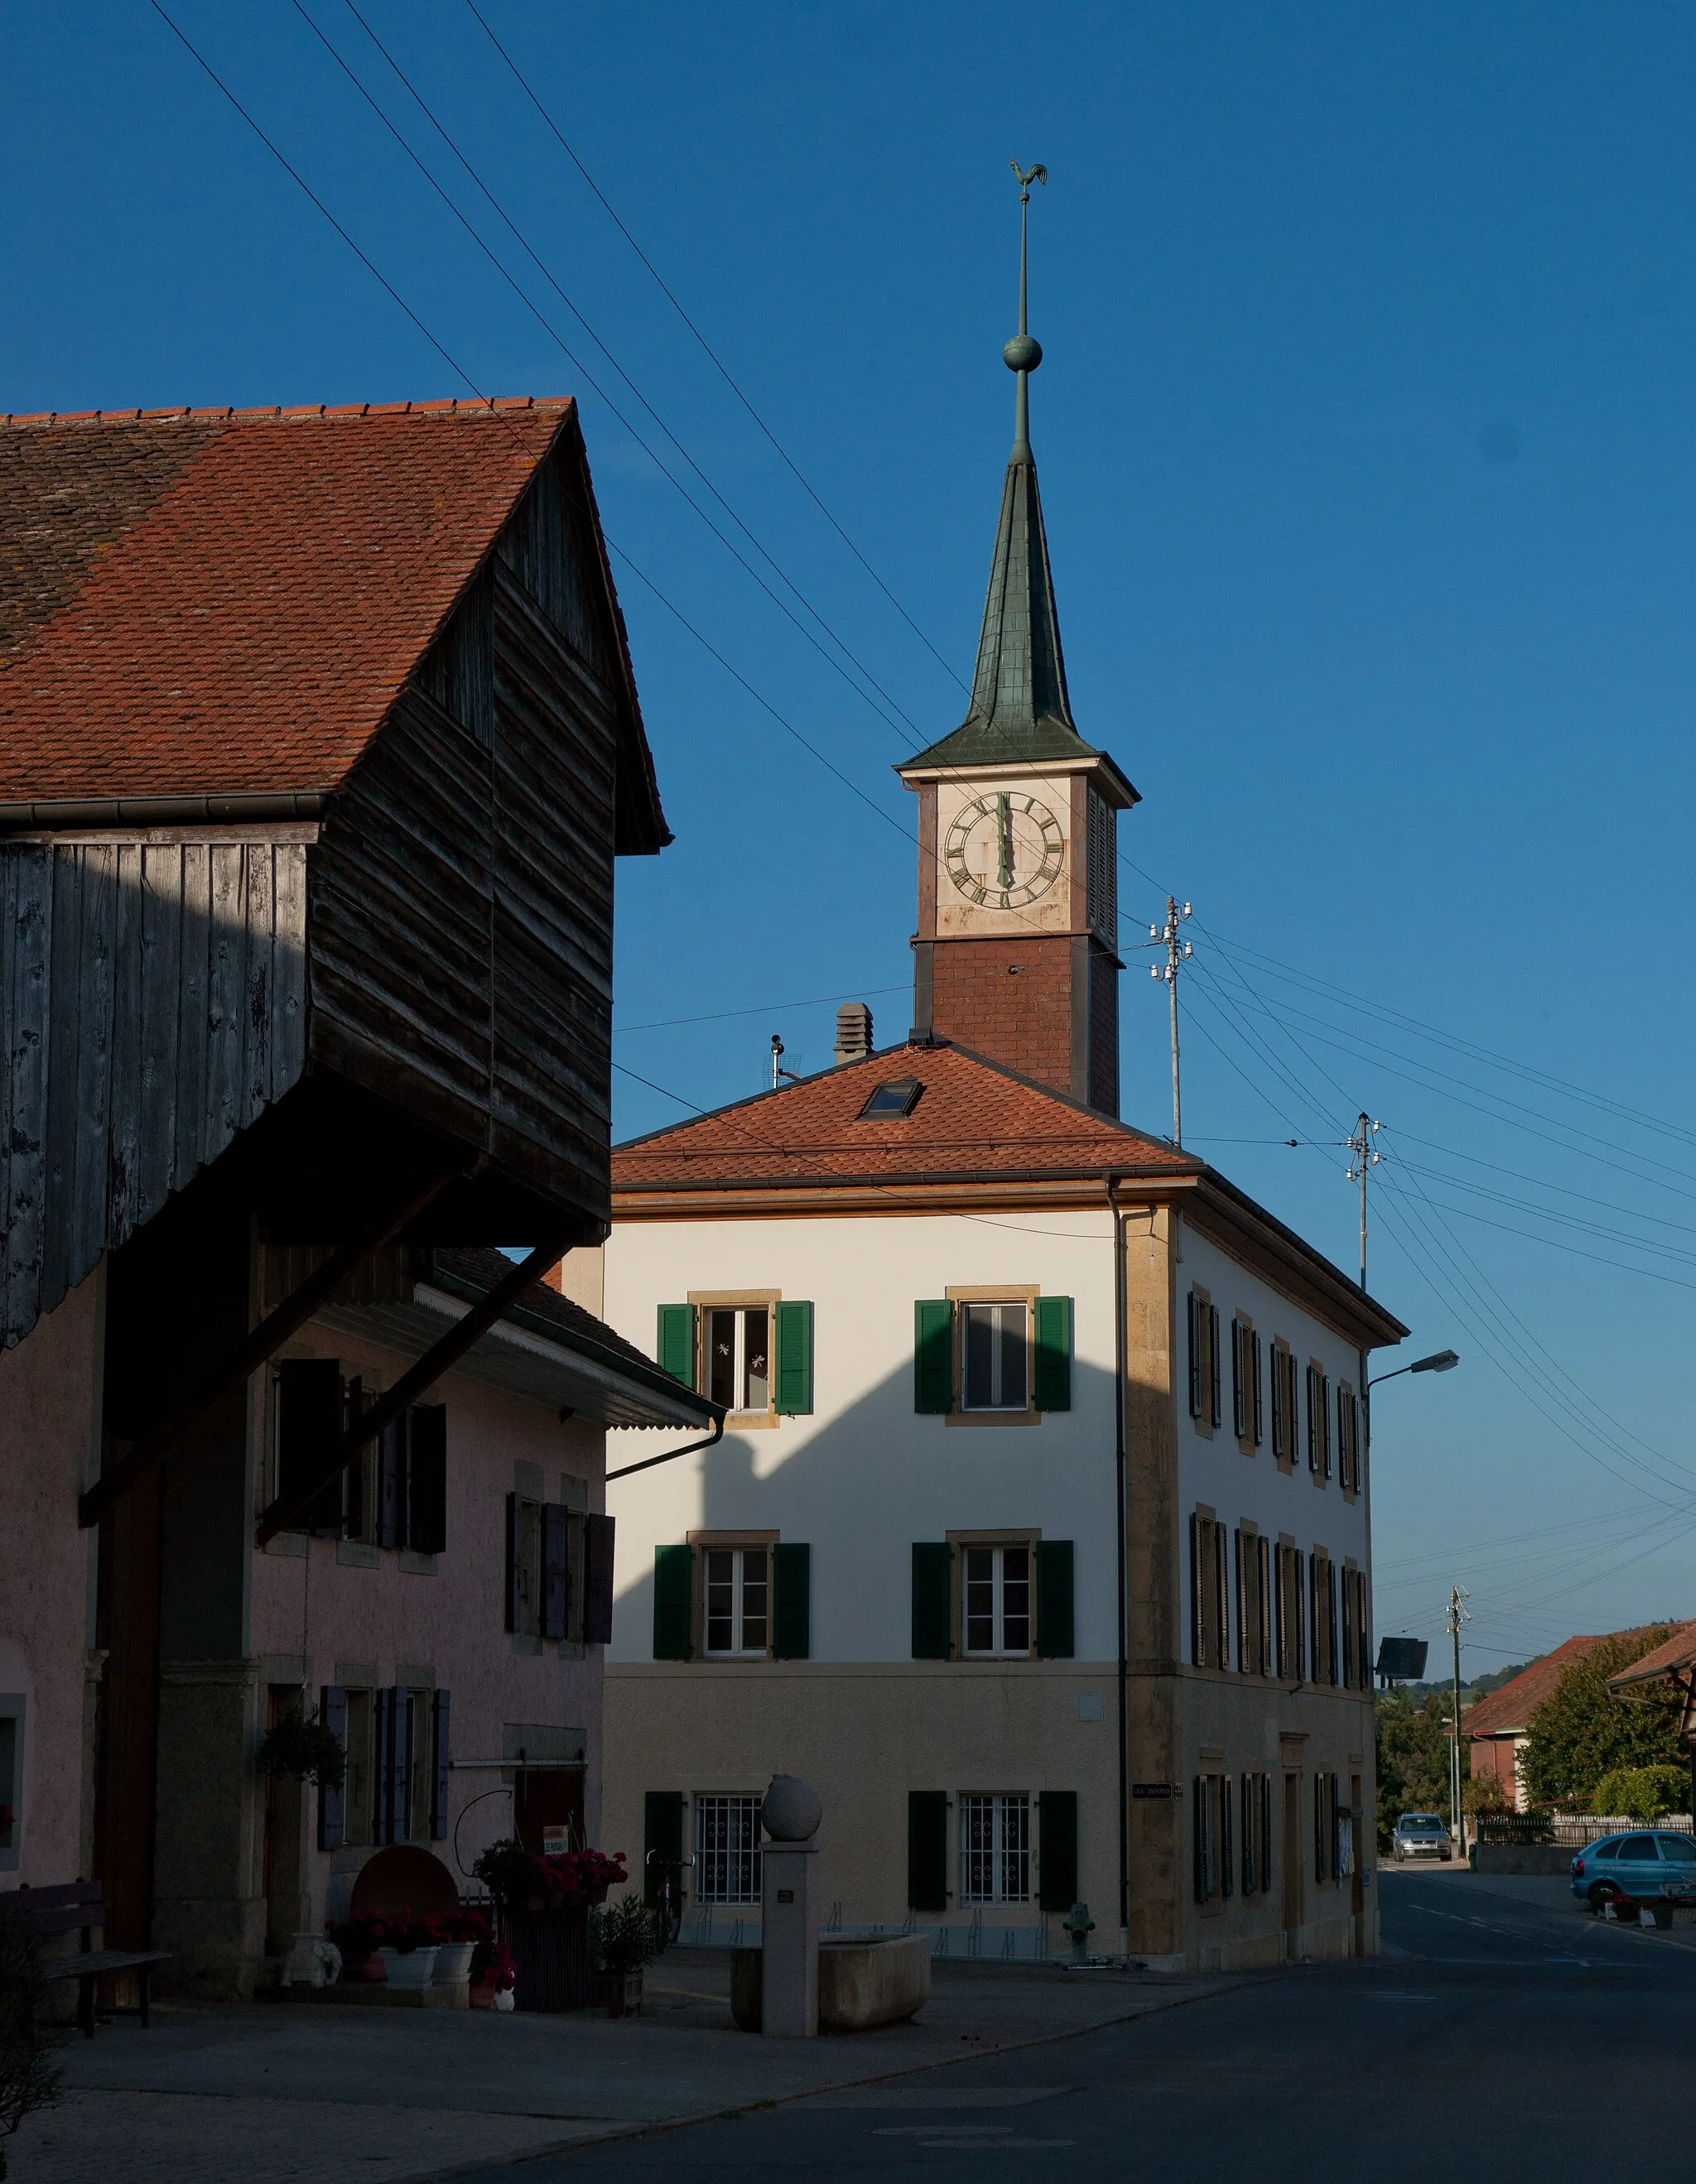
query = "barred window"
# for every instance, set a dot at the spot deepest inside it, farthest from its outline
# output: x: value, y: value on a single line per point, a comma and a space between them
x: 995, y: 1848
x: 727, y: 1850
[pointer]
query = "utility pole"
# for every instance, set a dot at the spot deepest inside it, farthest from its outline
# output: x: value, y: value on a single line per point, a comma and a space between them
x: 1177, y: 951
x: 1457, y: 1616
x: 1361, y: 1158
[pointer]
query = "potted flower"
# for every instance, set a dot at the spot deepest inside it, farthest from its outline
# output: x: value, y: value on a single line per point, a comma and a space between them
x: 543, y: 1905
x: 407, y: 1946
x: 300, y: 1746
x: 358, y: 1940
x: 624, y: 1937
x: 462, y: 1932
x: 493, y: 1976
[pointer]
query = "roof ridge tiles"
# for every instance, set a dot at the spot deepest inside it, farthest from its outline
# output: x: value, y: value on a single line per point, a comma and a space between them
x: 284, y: 413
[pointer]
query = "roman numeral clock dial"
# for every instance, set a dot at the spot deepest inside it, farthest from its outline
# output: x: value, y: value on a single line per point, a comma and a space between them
x: 1004, y: 851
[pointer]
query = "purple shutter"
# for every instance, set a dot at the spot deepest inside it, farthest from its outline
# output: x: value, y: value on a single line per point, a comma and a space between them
x: 332, y: 1803
x: 598, y: 1581
x: 515, y: 1543
x: 400, y: 1772
x: 382, y: 1813
x: 556, y: 1574
x: 391, y: 1485
x: 441, y: 1705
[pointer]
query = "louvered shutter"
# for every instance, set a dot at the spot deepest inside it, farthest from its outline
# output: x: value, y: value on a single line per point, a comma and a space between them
x: 932, y: 1615
x: 1203, y: 1880
x: 441, y: 1710
x: 383, y: 1811
x: 515, y: 1563
x: 426, y: 1478
x: 676, y: 1344
x: 1053, y: 1379
x: 311, y: 1400
x: 598, y: 1539
x: 1197, y: 1643
x: 673, y: 1591
x: 557, y: 1570
x: 1195, y: 1333
x: 1227, y: 1853
x: 1057, y: 1840
x: 1254, y: 1377
x: 792, y: 1601
x: 1265, y: 1606
x: 1215, y: 1414
x: 332, y: 1803
x: 1299, y: 1570
x: 1054, y: 1608
x: 794, y: 1359
x: 933, y: 1356
x: 391, y: 1485
x: 1239, y: 1382
x: 662, y: 1838
x: 927, y: 1850
x: 400, y: 1769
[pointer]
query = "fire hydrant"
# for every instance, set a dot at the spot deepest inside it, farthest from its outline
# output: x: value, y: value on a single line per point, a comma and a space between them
x: 1079, y: 1925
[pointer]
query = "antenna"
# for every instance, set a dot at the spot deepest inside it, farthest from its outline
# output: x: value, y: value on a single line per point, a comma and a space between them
x: 1178, y: 952
x: 778, y: 1073
x: 1362, y: 1157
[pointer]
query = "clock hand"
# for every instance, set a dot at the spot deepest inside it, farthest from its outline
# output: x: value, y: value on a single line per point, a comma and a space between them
x: 1004, y: 822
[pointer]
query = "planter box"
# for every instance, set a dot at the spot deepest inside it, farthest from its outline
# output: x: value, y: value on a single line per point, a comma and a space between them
x: 862, y: 1984
x: 619, y: 1993
x: 408, y: 1969
x: 551, y: 1956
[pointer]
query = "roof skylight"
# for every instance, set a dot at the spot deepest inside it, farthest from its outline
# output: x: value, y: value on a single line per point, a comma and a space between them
x: 899, y: 1096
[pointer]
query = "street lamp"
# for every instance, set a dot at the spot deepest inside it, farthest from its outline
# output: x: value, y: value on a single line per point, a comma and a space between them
x: 1442, y: 1361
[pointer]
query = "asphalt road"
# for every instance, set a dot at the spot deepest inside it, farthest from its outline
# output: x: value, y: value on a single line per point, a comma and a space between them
x: 1503, y: 2034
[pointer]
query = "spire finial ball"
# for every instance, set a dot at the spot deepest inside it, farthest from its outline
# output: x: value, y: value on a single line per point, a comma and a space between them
x: 1023, y: 353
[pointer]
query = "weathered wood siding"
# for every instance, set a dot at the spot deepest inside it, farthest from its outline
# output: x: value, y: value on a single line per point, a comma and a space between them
x: 153, y: 1003
x: 461, y: 897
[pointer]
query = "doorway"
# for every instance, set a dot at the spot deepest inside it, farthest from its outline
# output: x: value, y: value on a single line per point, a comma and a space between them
x: 1292, y: 1862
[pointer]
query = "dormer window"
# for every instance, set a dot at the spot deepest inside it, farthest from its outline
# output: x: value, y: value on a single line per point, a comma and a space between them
x: 898, y: 1097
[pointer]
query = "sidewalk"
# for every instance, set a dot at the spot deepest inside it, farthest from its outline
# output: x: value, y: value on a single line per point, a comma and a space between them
x: 299, y: 2094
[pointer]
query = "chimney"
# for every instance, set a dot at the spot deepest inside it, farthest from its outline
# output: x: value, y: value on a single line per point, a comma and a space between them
x: 853, y: 1032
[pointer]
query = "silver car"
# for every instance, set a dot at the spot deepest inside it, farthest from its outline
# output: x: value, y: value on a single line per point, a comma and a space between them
x: 1421, y: 1835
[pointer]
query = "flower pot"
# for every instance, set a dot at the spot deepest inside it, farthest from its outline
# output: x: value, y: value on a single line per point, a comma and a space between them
x: 408, y: 1969
x: 620, y: 1993
x: 454, y: 1962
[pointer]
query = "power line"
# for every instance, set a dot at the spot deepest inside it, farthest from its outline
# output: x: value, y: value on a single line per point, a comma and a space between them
x: 766, y: 1008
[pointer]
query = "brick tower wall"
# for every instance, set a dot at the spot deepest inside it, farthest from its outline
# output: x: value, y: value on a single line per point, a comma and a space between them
x: 1010, y: 999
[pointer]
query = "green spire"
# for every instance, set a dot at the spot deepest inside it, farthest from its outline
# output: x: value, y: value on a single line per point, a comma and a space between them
x: 1019, y: 708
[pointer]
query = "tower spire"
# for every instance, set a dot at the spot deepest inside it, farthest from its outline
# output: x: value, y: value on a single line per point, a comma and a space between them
x: 1022, y: 355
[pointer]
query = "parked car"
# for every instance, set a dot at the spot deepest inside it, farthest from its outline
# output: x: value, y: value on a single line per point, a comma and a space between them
x: 1635, y: 1868
x: 1420, y: 1835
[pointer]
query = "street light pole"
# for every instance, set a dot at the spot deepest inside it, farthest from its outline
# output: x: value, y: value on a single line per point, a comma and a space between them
x: 1457, y: 1616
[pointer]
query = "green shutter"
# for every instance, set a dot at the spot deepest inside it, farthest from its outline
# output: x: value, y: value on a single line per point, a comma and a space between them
x: 674, y: 1588
x: 792, y: 1606
x: 933, y: 1356
x: 1057, y: 1842
x: 1054, y: 1639
x: 1053, y: 1353
x: 676, y: 1346
x: 662, y: 1838
x: 794, y: 1359
x: 931, y: 1585
x: 927, y: 1850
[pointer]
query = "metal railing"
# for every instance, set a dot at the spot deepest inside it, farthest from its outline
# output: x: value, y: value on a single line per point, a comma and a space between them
x: 1569, y: 1830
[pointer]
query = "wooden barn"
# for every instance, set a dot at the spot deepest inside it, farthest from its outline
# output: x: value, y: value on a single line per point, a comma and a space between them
x: 318, y: 741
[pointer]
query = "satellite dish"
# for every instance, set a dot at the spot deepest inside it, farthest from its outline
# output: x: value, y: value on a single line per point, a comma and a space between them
x: 1403, y: 1660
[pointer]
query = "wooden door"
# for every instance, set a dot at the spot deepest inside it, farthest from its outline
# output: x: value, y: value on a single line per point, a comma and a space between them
x: 1293, y: 1853
x: 547, y: 1798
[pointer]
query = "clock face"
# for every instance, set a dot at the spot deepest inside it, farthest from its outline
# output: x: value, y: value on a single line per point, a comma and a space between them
x: 1004, y: 851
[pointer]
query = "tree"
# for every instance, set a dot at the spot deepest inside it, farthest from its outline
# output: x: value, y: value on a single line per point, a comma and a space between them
x: 1412, y: 1758
x: 1581, y: 1732
x: 1641, y: 1793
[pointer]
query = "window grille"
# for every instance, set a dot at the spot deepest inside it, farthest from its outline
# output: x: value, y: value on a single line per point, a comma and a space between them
x: 995, y: 1849
x: 727, y: 1850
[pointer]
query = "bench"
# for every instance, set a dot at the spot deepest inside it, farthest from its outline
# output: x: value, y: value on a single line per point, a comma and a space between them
x: 78, y: 1906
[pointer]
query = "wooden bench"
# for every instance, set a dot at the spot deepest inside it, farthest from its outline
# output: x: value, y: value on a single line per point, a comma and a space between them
x: 78, y: 1906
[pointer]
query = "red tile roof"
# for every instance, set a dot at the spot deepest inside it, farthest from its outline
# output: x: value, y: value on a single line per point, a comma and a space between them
x: 1511, y: 1707
x: 220, y: 601
x: 972, y: 1118
x: 1677, y: 1651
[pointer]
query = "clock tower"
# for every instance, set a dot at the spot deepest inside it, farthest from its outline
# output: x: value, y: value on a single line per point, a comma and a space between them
x: 1017, y: 951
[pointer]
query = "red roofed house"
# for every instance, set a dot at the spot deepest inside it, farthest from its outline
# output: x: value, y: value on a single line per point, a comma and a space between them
x: 1497, y: 1729
x: 318, y: 739
x: 1038, y: 1540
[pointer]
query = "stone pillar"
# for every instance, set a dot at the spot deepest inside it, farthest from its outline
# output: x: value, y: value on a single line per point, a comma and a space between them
x: 788, y: 1968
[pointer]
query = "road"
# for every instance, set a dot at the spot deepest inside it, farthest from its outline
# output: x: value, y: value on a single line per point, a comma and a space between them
x: 1503, y: 2034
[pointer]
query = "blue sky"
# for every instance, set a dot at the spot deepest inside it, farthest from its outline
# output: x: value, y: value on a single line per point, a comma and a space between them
x: 1366, y: 442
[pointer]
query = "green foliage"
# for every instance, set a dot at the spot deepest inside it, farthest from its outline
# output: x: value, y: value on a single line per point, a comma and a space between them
x: 625, y: 1933
x: 1580, y: 1733
x: 1412, y: 1758
x: 299, y: 1745
x: 1641, y: 1793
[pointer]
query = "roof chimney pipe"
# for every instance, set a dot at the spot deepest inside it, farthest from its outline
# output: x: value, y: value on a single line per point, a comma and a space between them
x: 853, y: 1032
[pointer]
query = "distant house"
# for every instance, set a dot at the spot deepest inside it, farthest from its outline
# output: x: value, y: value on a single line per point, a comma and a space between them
x: 318, y: 739
x: 1498, y: 1728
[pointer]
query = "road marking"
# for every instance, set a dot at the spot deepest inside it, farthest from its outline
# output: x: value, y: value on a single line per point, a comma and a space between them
x: 937, y: 2097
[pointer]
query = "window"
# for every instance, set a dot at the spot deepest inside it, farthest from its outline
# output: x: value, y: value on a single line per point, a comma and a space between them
x: 1245, y: 1384
x: 1357, y: 1650
x: 1318, y: 1422
x: 1204, y: 1362
x: 1347, y: 1438
x: 727, y: 1850
x: 1326, y: 1818
x: 997, y: 1601
x: 360, y: 1785
x: 996, y: 1355
x: 1253, y: 1604
x: 1214, y: 1874
x: 1636, y: 1847
x: 995, y: 1849
x: 1679, y: 1848
x: 395, y: 1788
x: 1290, y: 1599
x: 736, y: 1598
x: 1257, y: 1833
x: 1210, y: 1575
x: 899, y: 1097
x: 11, y: 1780
x: 1287, y: 1404
x: 738, y: 1356
x: 559, y: 1572
x: 391, y: 1493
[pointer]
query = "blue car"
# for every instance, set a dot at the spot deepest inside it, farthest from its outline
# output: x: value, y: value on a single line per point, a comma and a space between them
x: 1635, y: 1868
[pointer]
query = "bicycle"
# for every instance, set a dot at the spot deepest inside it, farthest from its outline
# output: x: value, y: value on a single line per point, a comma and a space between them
x: 666, y: 1901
